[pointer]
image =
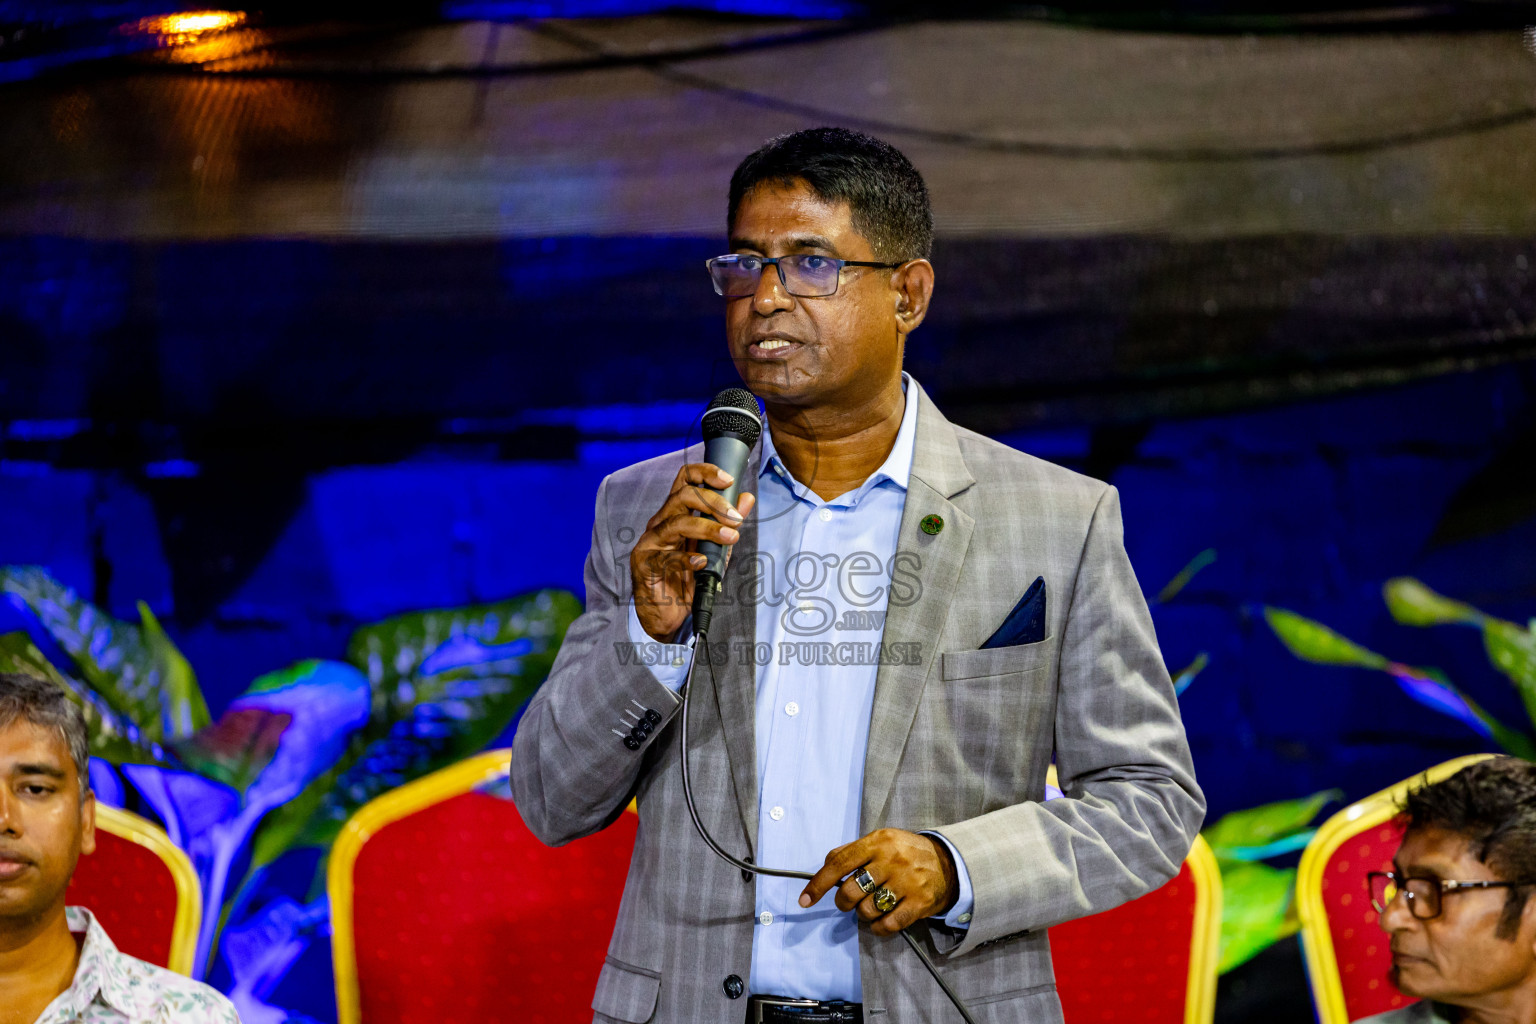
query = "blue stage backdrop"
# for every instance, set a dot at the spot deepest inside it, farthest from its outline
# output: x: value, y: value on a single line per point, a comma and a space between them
x: 272, y: 443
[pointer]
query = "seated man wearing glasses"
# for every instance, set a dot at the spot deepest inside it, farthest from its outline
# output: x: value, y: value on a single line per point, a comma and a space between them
x: 1464, y: 931
x: 56, y: 963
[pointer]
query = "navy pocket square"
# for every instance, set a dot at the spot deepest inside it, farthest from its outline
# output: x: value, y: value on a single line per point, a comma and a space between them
x: 1026, y: 623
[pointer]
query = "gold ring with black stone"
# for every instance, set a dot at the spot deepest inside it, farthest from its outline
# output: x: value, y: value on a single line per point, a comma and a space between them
x: 865, y: 883
x: 885, y: 900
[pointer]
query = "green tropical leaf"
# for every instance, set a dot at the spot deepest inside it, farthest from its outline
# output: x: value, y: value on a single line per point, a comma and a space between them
x: 1184, y: 575
x: 1511, y: 741
x: 1511, y: 648
x: 1414, y: 604
x: 1257, y: 910
x: 112, y: 736
x: 425, y: 643
x: 138, y: 672
x: 19, y: 654
x: 1253, y: 828
x: 284, y: 828
x: 1431, y: 688
x: 182, y: 708
x: 328, y: 702
x: 1312, y: 641
x: 1512, y: 651
x: 444, y: 684
x: 1183, y: 679
x: 236, y: 748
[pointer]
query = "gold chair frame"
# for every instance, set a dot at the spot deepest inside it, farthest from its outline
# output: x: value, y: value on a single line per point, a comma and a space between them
x: 1205, y: 943
x: 189, y: 892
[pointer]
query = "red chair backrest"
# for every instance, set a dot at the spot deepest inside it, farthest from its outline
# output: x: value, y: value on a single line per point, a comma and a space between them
x: 1129, y: 963
x: 132, y: 893
x: 461, y: 914
x: 1359, y: 944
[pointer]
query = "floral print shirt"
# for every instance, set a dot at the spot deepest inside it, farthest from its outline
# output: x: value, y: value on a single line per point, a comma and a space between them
x: 112, y: 988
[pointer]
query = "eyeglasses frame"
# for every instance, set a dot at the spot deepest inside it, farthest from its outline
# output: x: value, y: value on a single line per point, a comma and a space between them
x: 777, y: 263
x: 1447, y: 885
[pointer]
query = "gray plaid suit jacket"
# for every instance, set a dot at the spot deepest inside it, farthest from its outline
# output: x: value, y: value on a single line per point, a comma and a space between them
x: 959, y: 742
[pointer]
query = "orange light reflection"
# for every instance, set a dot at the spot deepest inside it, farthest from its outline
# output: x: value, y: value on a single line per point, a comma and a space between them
x: 187, y: 26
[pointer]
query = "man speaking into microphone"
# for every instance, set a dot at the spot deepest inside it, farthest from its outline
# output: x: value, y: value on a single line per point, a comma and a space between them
x: 915, y: 620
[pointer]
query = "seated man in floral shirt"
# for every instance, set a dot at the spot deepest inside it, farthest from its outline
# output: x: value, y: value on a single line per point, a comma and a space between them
x: 56, y: 962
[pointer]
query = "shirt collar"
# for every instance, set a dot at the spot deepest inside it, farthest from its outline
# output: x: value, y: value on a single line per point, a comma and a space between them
x: 897, y: 467
x: 101, y: 968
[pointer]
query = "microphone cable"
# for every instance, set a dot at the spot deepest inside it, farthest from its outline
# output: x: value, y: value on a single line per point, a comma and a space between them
x: 701, y: 643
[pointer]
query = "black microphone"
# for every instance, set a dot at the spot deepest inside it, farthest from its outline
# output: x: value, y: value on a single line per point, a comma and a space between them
x: 732, y: 426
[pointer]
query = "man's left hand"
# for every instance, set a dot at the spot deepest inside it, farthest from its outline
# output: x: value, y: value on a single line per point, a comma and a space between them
x: 918, y: 869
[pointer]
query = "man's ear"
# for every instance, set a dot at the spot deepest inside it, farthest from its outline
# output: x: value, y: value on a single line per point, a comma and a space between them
x: 88, y: 824
x: 912, y: 285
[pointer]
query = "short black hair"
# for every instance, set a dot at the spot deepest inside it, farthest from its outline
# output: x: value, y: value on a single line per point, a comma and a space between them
x: 1493, y: 805
x: 884, y: 192
x: 31, y: 698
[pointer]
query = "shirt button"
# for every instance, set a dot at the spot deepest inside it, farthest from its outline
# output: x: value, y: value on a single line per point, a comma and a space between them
x: 964, y: 919
x: 776, y: 813
x: 825, y: 514
x: 791, y: 709
x: 804, y: 606
x: 765, y: 918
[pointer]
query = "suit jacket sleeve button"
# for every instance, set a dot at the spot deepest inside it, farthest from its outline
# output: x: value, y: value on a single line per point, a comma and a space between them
x: 631, y: 743
x: 733, y: 986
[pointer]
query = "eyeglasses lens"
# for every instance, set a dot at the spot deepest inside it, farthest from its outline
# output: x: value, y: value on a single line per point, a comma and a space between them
x: 806, y: 276
x: 810, y: 276
x: 734, y: 278
x: 1423, y: 897
x: 1383, y: 890
x: 1421, y: 894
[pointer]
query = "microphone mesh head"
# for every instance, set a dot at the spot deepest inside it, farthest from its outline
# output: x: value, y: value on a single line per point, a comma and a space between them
x: 733, y: 411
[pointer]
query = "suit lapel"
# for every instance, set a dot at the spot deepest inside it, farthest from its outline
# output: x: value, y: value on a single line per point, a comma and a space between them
x: 735, y: 623
x: 938, y: 474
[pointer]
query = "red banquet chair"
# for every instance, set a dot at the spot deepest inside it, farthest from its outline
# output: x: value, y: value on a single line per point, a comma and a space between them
x: 1346, y: 950
x: 142, y: 889
x: 444, y: 907
x: 1152, y: 960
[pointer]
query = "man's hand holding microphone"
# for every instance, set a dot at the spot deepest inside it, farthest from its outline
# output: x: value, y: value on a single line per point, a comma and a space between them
x: 665, y: 558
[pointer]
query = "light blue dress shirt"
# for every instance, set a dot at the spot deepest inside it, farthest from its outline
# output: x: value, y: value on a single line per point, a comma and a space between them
x: 820, y: 627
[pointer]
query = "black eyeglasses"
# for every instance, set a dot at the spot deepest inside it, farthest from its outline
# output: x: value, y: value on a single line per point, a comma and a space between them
x: 1423, y: 894
x: 807, y: 276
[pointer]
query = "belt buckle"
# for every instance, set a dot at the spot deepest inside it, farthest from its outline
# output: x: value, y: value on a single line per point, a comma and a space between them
x: 816, y: 1010
x: 758, y: 1002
